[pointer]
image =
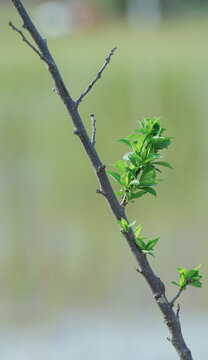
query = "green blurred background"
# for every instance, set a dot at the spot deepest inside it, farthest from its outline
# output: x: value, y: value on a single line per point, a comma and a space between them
x: 60, y: 247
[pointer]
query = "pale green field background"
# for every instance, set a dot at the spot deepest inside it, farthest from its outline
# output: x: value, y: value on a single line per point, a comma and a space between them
x: 59, y: 244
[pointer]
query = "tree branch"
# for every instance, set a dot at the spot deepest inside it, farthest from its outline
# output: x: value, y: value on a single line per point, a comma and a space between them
x: 156, y: 285
x: 172, y: 302
x: 124, y: 201
x: 107, y: 60
x: 27, y: 42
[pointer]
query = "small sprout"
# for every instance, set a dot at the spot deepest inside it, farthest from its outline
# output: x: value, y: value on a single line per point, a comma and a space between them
x: 189, y: 277
x: 125, y: 225
x: 148, y: 247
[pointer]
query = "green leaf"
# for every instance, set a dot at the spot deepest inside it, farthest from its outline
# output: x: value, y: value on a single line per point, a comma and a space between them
x: 158, y: 170
x: 121, y: 166
x: 198, y: 267
x: 129, y: 195
x: 191, y: 273
x: 148, y: 183
x: 118, y: 193
x: 148, y: 252
x: 115, y: 175
x: 126, y: 156
x: 196, y: 278
x: 140, y: 142
x: 152, y: 157
x: 141, y: 123
x: 182, y: 270
x: 163, y: 163
x: 140, y: 243
x: 151, y: 243
x: 124, y: 225
x: 126, y: 142
x: 125, y: 180
x: 162, y: 130
x: 132, y: 172
x: 132, y: 223
x: 138, y: 194
x: 162, y: 143
x: 148, y: 173
x: 182, y: 281
x: 149, y: 190
x: 133, y: 136
x: 124, y: 222
x: 175, y: 283
x: 133, y: 160
x: 138, y: 230
x: 196, y: 284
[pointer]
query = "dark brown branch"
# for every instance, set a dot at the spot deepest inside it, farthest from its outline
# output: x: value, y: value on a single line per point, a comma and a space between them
x: 156, y: 285
x: 107, y: 60
x: 92, y: 116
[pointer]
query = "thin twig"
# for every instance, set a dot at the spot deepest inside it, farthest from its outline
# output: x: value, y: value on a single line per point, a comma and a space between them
x: 92, y: 116
x: 124, y: 201
x: 172, y: 302
x: 107, y: 60
x: 28, y: 43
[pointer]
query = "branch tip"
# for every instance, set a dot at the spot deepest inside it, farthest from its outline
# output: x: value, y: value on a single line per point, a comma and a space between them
x: 98, y: 76
x: 27, y: 41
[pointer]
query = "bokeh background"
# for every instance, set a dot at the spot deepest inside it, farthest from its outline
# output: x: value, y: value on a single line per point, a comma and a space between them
x: 69, y: 289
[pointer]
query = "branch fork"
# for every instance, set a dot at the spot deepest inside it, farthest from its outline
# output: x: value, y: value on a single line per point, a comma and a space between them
x: 98, y: 76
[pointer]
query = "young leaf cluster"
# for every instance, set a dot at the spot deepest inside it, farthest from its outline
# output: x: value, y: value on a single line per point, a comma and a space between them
x: 125, y: 225
x: 189, y: 277
x: 146, y: 248
x: 137, y: 172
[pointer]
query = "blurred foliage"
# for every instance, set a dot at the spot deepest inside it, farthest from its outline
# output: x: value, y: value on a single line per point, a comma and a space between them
x: 54, y: 246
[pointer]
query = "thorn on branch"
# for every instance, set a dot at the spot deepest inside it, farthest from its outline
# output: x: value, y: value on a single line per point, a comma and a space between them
x: 98, y: 191
x: 98, y: 76
x: 76, y: 132
x: 139, y: 271
x: 93, y: 129
x: 27, y: 42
